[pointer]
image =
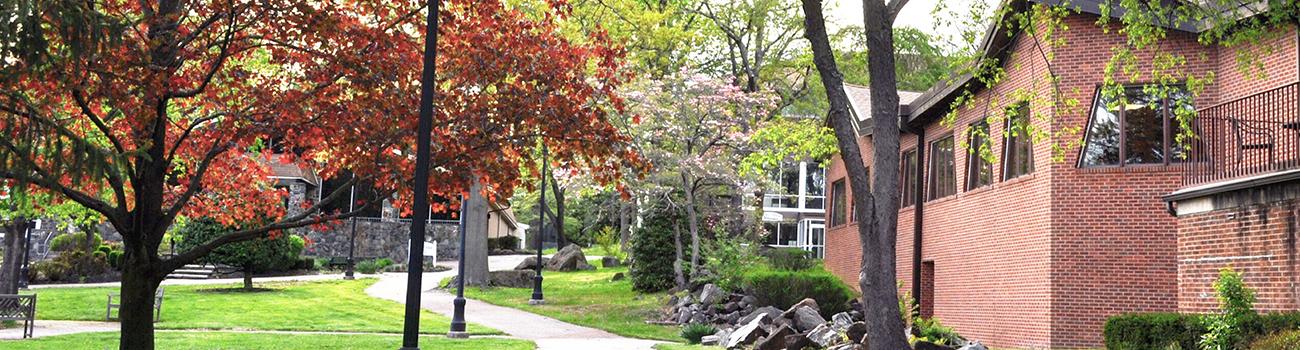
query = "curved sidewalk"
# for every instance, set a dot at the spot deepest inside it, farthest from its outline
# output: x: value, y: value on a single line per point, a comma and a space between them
x: 548, y: 333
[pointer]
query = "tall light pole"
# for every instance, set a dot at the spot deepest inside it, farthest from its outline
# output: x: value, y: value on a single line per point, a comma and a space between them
x: 415, y: 262
x: 458, y: 313
x: 537, y: 298
x: 352, y: 248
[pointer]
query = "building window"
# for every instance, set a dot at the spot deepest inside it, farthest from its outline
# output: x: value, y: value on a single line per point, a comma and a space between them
x: 1018, y: 149
x: 909, y: 178
x: 1135, y: 129
x: 943, y: 177
x: 979, y: 171
x: 814, y: 186
x: 839, y: 203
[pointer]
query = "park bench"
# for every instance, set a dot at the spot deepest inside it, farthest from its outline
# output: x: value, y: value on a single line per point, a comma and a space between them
x: 157, y: 306
x: 19, y: 308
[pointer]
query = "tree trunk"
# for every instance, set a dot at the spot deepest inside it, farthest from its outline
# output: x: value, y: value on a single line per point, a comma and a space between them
x: 560, y: 239
x: 476, y: 250
x: 624, y: 232
x: 879, y: 206
x: 248, y: 277
x: 679, y: 275
x: 89, y: 231
x: 14, y: 246
x: 136, y: 312
x: 692, y: 220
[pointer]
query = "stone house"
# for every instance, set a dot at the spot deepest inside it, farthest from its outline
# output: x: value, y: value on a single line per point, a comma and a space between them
x: 1032, y: 252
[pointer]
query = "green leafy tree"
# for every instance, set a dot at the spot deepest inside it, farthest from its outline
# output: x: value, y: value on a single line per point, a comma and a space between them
x: 270, y: 252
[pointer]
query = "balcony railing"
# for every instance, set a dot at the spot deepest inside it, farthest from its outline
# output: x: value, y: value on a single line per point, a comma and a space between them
x: 1248, y: 136
x: 792, y: 201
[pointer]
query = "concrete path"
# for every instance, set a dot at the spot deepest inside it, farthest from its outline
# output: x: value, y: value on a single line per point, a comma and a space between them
x: 44, y: 328
x: 185, y: 282
x: 548, y: 333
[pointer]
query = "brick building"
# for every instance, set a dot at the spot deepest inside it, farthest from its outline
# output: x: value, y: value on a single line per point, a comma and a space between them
x: 1029, y: 251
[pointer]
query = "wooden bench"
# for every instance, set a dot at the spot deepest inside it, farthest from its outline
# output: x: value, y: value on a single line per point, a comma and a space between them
x: 157, y: 306
x: 19, y: 308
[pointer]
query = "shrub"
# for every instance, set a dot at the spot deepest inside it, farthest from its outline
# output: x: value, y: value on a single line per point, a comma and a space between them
x: 305, y: 263
x: 653, y: 253
x: 607, y: 240
x: 269, y: 253
x: 693, y: 332
x: 1287, y: 340
x: 504, y: 243
x: 50, y: 270
x: 929, y: 329
x: 729, y: 258
x: 368, y: 267
x: 781, y: 289
x: 115, y: 259
x: 790, y: 259
x: 104, y: 248
x: 1236, y: 307
x: 1153, y: 331
x: 73, y: 241
x: 383, y: 262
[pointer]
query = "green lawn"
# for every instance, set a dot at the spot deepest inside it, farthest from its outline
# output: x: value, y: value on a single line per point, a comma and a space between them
x: 588, y: 298
x: 285, y: 306
x: 228, y: 340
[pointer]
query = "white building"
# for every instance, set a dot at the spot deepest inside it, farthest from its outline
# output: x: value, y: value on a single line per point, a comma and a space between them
x: 796, y: 215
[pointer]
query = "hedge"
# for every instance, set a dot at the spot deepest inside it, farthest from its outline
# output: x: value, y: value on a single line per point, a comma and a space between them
x: 781, y: 289
x: 1158, y: 330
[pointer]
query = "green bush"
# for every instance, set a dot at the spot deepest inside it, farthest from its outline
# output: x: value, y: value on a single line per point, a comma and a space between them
x: 1287, y: 340
x: 115, y: 259
x: 104, y: 248
x: 1158, y: 330
x: 273, y: 252
x: 729, y: 258
x: 607, y: 240
x: 693, y: 332
x: 1236, y: 307
x: 503, y: 243
x: 929, y: 329
x: 368, y: 267
x: 653, y: 253
x: 73, y: 241
x: 49, y: 270
x: 383, y: 262
x: 782, y: 289
x: 790, y: 259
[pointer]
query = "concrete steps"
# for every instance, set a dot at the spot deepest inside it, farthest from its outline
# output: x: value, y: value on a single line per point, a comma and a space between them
x: 193, y: 272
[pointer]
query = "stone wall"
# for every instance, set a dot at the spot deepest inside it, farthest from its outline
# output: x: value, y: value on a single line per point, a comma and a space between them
x: 380, y: 238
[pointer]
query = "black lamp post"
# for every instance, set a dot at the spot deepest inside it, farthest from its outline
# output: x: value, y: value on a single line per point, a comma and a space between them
x: 415, y: 262
x: 352, y: 247
x: 537, y: 298
x: 458, y: 315
x: 27, y: 248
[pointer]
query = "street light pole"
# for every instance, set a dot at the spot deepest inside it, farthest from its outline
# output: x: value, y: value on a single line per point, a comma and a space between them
x: 537, y: 298
x: 458, y: 315
x: 415, y: 261
x: 352, y: 247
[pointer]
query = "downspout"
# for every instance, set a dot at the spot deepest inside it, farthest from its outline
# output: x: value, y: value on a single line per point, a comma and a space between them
x: 919, y: 219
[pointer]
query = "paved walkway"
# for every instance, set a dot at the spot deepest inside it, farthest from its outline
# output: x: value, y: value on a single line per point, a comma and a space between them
x: 182, y: 282
x: 44, y: 328
x: 548, y: 333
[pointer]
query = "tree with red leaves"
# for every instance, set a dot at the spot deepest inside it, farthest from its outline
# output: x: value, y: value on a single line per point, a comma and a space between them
x: 144, y: 111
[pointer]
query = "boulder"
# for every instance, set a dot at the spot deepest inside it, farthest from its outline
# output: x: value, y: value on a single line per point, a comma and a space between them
x: 711, y: 294
x: 569, y: 258
x: 770, y: 311
x: 806, y: 318
x: 841, y: 321
x: 797, y: 342
x: 530, y: 263
x: 609, y: 261
x: 617, y: 277
x: 775, y: 340
x: 806, y: 302
x: 729, y: 307
x: 511, y: 278
x: 973, y: 345
x: 709, y: 340
x: 731, y: 317
x: 857, y: 332
x: 925, y: 345
x: 823, y: 336
x: 747, y: 333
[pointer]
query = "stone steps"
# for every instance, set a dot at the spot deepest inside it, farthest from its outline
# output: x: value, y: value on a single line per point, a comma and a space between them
x: 193, y: 272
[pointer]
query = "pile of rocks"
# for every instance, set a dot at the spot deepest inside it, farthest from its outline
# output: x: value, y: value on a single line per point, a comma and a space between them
x: 744, y: 325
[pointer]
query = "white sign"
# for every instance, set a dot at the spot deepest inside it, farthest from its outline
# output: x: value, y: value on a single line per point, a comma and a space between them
x: 430, y: 250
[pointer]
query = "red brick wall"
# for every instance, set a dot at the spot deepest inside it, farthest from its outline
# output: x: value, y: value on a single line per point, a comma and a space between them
x: 1259, y: 241
x: 1041, y: 261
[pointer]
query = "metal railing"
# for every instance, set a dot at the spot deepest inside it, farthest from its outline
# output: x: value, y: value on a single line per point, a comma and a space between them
x: 792, y: 201
x: 1248, y: 136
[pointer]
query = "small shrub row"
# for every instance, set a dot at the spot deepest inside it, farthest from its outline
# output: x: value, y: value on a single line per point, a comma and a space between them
x: 790, y: 259
x: 782, y: 289
x: 372, y: 266
x: 1159, y: 330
